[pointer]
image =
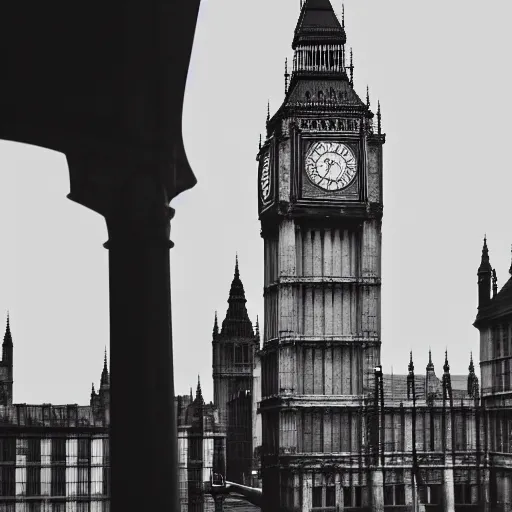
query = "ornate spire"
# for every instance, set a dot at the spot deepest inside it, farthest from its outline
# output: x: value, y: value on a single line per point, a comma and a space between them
x: 484, y: 277
x: 105, y: 378
x: 494, y: 283
x: 259, y: 147
x: 430, y: 365
x: 368, y: 96
x: 237, y: 321
x: 343, y: 16
x: 93, y: 391
x: 8, y: 335
x: 257, y: 330
x: 472, y: 379
x: 446, y: 366
x: 191, y: 395
x: 286, y: 76
x: 379, y: 119
x: 351, y: 67
x: 410, y: 380
x: 215, y: 326
x: 199, y: 394
x: 268, y: 111
x: 485, y: 265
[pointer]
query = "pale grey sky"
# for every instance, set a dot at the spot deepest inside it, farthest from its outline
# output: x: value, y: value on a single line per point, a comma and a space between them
x: 441, y: 71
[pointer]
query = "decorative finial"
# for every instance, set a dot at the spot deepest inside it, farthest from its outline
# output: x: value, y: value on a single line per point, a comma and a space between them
x: 105, y: 378
x: 430, y: 365
x: 379, y: 124
x: 411, y: 364
x: 471, y: 365
x: 446, y: 366
x: 237, y: 272
x: 367, y: 96
x: 286, y: 76
x: 510, y: 269
x: 257, y: 329
x: 215, y: 326
x: 199, y: 393
x: 260, y: 142
x: 93, y: 391
x: 342, y: 15
x: 351, y: 68
x: 494, y: 283
x: 268, y: 111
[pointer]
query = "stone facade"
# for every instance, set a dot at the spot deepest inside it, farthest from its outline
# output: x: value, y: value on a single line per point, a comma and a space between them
x: 54, y: 458
x: 201, y: 451
x: 494, y: 322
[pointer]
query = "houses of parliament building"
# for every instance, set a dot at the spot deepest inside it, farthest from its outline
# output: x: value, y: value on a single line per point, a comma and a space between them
x: 303, y: 417
x: 310, y: 418
x: 53, y: 458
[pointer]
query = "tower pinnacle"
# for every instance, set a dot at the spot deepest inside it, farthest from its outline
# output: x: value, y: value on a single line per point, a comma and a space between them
x: 484, y: 276
x: 494, y: 283
x: 411, y: 364
x: 199, y: 394
x: 430, y: 365
x: 8, y: 335
x: 446, y: 366
x: 215, y: 326
x: 105, y: 378
x: 286, y: 76
x: 237, y: 321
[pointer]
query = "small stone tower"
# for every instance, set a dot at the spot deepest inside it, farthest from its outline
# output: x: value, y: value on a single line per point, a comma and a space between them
x: 233, y: 349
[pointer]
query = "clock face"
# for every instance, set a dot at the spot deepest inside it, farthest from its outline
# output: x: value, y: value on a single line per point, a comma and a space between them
x: 265, y: 178
x: 331, y: 165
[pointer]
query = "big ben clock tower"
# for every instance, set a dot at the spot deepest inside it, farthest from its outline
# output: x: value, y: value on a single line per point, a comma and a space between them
x: 320, y: 207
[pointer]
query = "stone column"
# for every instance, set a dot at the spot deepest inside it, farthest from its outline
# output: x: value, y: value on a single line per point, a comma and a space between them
x: 507, y: 492
x: 448, y: 490
x: 377, y: 486
x: 485, y: 491
x: 143, y: 441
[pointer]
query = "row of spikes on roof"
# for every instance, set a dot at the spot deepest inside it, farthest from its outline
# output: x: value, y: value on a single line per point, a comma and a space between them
x: 319, y: 24
x: 446, y: 366
x: 472, y: 378
x: 237, y: 322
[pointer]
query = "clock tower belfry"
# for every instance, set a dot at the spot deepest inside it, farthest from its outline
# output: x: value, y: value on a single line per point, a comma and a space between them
x: 320, y: 208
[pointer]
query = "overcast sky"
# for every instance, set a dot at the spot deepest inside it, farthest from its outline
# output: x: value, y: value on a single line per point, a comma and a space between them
x: 441, y: 71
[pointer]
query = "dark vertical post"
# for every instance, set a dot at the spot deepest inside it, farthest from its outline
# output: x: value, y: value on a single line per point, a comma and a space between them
x: 143, y: 441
